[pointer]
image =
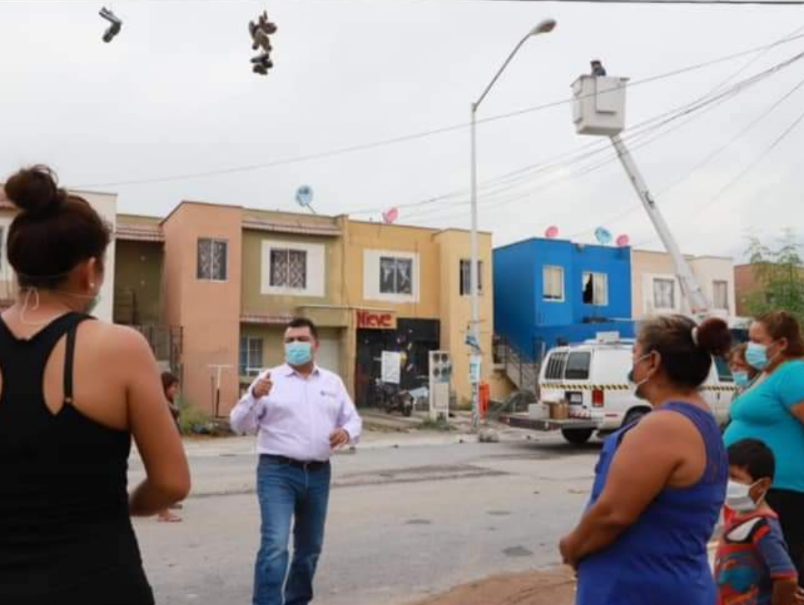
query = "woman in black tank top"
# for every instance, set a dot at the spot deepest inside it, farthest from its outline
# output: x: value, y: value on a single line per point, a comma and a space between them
x: 73, y: 392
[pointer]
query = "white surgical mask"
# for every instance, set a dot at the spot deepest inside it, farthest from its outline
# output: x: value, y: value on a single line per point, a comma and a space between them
x: 635, y: 385
x: 738, y: 497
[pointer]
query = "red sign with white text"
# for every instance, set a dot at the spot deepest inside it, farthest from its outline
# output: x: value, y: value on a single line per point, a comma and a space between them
x: 376, y: 320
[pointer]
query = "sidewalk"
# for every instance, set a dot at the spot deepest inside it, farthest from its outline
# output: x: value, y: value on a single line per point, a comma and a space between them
x: 244, y: 445
x: 554, y: 586
x: 380, y: 431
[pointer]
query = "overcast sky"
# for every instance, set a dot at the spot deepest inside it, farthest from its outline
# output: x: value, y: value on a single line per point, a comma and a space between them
x: 174, y: 94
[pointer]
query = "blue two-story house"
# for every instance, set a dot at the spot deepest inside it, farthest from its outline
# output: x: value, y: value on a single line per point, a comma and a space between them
x: 552, y: 292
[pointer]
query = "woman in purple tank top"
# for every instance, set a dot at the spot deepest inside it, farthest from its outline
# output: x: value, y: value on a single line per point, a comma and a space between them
x: 659, y: 484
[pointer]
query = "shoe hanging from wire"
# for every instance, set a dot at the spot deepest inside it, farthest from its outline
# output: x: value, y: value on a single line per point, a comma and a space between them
x: 260, y: 38
x: 115, y: 24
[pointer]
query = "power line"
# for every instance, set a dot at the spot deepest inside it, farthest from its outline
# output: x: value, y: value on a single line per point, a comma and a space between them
x: 498, y: 185
x: 738, y: 177
x: 694, y: 110
x: 698, y: 166
x: 415, y: 136
x: 637, y: 207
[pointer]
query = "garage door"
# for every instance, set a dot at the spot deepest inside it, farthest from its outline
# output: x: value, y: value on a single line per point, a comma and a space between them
x: 329, y: 356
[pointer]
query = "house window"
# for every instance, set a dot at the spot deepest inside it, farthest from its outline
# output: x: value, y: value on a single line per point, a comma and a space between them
x: 553, y: 283
x: 721, y: 294
x: 396, y: 275
x: 466, y: 277
x: 664, y: 294
x: 250, y: 356
x: 596, y: 289
x: 212, y: 259
x: 288, y: 269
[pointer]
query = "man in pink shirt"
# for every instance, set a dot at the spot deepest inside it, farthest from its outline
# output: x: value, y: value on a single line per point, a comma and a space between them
x: 302, y: 413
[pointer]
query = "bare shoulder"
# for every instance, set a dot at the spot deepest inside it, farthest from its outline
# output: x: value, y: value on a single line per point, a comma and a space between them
x: 117, y: 341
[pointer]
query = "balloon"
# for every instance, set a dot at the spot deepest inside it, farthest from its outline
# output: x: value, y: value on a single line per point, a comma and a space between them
x: 551, y: 232
x: 603, y: 236
x: 623, y: 241
x: 390, y: 216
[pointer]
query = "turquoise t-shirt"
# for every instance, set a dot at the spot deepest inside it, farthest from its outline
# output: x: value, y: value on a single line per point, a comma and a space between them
x: 763, y: 412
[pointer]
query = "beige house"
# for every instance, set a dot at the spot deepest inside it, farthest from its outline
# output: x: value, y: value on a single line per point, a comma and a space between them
x: 213, y: 287
x: 656, y: 290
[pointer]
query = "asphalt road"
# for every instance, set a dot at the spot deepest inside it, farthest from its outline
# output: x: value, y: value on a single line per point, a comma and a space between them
x: 405, y: 522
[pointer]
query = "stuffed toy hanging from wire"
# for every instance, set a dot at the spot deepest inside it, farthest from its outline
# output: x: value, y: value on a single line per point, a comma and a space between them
x: 115, y: 24
x: 260, y: 36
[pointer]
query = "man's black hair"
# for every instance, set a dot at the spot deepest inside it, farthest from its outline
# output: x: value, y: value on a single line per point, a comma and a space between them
x: 303, y: 322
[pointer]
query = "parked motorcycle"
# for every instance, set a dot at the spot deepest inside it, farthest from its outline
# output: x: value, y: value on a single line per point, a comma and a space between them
x: 392, y: 398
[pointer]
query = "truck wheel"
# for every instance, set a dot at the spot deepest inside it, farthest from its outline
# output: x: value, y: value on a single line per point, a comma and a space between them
x: 577, y: 436
x: 633, y: 416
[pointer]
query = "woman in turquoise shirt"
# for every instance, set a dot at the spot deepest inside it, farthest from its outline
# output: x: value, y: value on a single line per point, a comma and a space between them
x: 772, y: 410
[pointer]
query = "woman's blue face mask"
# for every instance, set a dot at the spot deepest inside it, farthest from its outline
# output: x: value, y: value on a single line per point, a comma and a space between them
x: 757, y: 355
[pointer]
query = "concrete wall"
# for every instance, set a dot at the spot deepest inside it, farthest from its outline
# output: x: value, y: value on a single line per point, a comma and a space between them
x: 515, y: 290
x: 106, y: 205
x: 456, y: 311
x: 257, y: 297
x: 745, y: 284
x: 7, y: 289
x: 138, y: 271
x: 708, y: 270
x: 436, y: 289
x: 530, y: 321
x: 365, y: 240
x: 208, y: 312
x: 649, y: 265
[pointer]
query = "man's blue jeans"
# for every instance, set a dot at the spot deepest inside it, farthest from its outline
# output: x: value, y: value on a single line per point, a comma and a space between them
x: 288, y: 492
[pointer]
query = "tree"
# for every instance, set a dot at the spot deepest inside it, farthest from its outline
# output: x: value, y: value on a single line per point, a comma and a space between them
x: 779, y: 275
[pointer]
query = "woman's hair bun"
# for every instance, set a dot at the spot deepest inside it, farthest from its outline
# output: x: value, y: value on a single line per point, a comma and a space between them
x: 713, y: 336
x: 35, y: 191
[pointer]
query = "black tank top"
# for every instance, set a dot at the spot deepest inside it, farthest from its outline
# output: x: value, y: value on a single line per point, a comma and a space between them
x: 65, y: 529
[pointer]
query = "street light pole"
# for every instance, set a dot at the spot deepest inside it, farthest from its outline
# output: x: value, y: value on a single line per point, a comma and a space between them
x: 544, y: 27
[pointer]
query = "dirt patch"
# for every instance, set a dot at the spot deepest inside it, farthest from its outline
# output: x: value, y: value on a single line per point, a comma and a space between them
x: 547, y: 587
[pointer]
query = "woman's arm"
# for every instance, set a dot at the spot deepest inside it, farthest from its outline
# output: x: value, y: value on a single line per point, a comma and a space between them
x: 150, y: 421
x: 798, y: 411
x: 642, y: 467
x: 790, y: 388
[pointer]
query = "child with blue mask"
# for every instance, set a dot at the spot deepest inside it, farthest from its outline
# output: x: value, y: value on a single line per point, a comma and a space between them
x: 753, y: 564
x: 741, y: 371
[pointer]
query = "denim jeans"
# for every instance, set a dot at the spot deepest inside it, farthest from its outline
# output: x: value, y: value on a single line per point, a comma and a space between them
x: 287, y: 492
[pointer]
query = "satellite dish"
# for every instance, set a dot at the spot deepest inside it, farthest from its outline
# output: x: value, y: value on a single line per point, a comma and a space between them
x: 623, y: 241
x: 304, y: 196
x: 551, y: 232
x: 603, y: 236
x: 390, y: 216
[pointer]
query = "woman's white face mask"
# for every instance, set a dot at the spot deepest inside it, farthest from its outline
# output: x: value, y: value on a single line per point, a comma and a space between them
x: 637, y: 384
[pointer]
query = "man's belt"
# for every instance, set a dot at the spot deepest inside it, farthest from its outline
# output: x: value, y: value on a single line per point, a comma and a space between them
x: 309, y: 465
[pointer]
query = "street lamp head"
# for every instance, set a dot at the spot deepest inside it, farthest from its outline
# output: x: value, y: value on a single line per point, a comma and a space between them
x: 545, y: 27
